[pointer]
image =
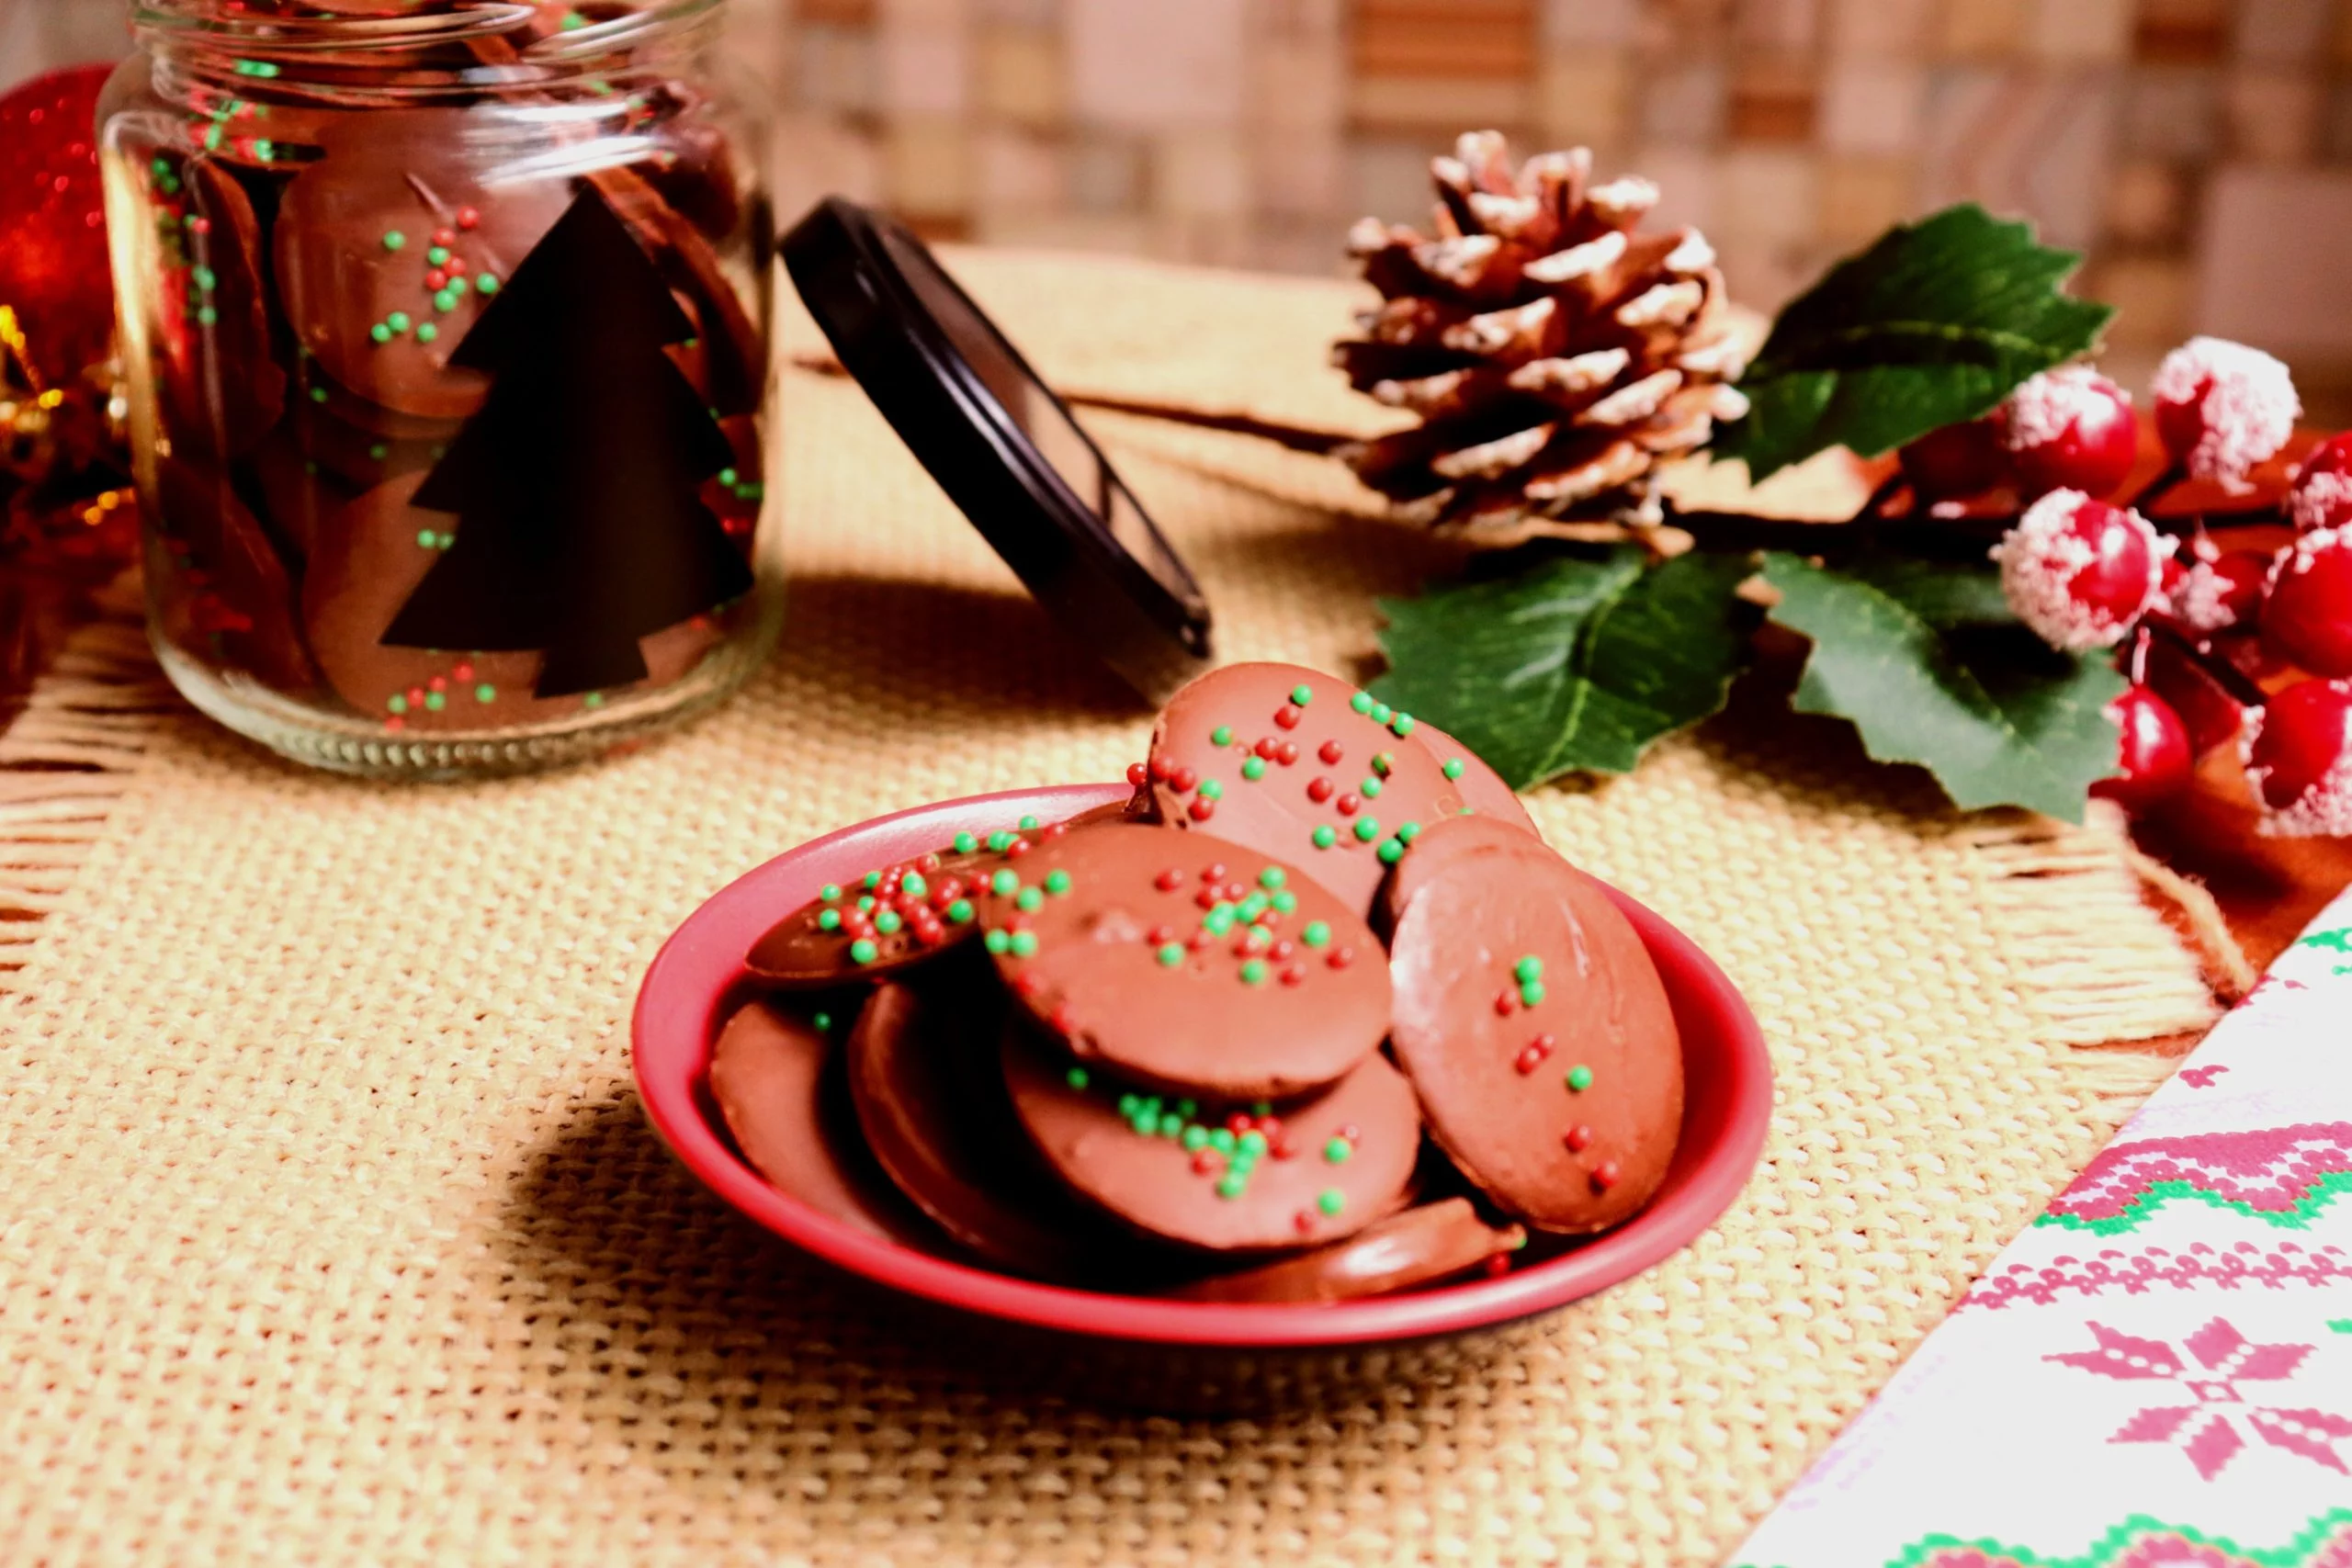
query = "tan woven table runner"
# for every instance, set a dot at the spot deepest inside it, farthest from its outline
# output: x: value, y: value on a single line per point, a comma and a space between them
x: 330, y: 1232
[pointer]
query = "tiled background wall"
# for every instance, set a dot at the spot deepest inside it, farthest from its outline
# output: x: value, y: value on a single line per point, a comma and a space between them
x: 2200, y: 150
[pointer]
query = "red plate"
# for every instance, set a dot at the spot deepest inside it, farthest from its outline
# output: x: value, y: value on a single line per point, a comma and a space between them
x: 698, y: 972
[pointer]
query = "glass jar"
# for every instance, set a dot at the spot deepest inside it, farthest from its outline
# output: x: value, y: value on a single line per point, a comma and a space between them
x: 445, y: 332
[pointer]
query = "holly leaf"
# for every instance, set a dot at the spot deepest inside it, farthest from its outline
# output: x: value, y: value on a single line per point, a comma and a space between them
x: 1925, y: 661
x: 1935, y: 324
x: 1574, y: 662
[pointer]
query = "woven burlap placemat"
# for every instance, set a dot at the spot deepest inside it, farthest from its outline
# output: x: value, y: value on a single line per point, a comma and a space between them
x: 331, y: 1231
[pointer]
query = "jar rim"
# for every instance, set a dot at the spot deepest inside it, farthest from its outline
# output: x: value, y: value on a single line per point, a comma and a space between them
x: 205, y: 23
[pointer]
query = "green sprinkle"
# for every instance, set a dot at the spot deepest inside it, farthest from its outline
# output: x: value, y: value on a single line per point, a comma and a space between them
x: 399, y: 322
x: 1170, y: 954
x: 398, y: 703
x: 1324, y: 838
x: 864, y: 951
x: 207, y: 316
x: 1383, y: 763
x: 1028, y: 824
x: 593, y: 700
x: 395, y: 241
x: 205, y: 277
x: 832, y: 893
x: 1336, y: 1151
x: 1245, y: 1159
x: 1001, y: 841
x: 1391, y: 852
x: 865, y: 902
x: 1254, y: 972
x: 1170, y: 1124
x: 1212, y: 790
x: 1074, y: 1078
x: 1129, y: 1104
x: 1058, y: 883
x: 380, y: 332
x: 1301, y: 695
x: 1407, y: 832
x: 1253, y: 769
x: 487, y: 282
x: 1382, y: 713
x: 1452, y: 769
x: 446, y: 300
x: 264, y: 150
x: 1330, y: 1200
x: 445, y: 541
x: 966, y: 843
x: 438, y: 255
x: 1371, y: 788
x: 1232, y: 1184
x: 1286, y: 901
x: 1528, y: 968
x: 1249, y: 909
x: 1219, y: 920
x: 265, y: 70
x: 572, y: 22
x: 1024, y: 945
x: 1361, y: 701
x: 1005, y: 882
x: 318, y: 394
x: 1194, y: 1138
x: 1402, y: 724
x: 870, y: 881
x: 437, y: 701
x: 887, y: 922
x: 1188, y: 1109
x: 1368, y: 829
x: 829, y: 920
x: 1221, y: 1140
x: 913, y: 886
x: 1531, y: 993
x: 1221, y: 736
x: 1030, y: 901
x: 959, y: 912
x: 823, y: 1020
x: 996, y: 942
x: 378, y: 452
x: 1273, y: 876
x: 1579, y: 1078
x: 1254, y: 1141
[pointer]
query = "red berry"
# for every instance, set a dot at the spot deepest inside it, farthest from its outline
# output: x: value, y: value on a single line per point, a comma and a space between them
x: 2152, y: 758
x: 2321, y: 496
x: 2298, y: 760
x: 2217, y: 590
x: 1959, y: 459
x: 2308, y: 620
x: 2070, y: 429
x: 2079, y: 571
x: 2222, y: 407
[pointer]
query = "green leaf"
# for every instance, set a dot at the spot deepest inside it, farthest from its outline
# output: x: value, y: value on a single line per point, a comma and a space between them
x: 1574, y: 662
x: 1925, y: 661
x: 1933, y: 324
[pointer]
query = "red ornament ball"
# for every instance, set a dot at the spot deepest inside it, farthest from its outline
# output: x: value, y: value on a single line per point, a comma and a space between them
x: 2153, y: 756
x: 2298, y: 760
x: 2216, y: 589
x: 1958, y: 460
x: 52, y: 221
x: 2070, y: 429
x: 2308, y: 620
x: 2079, y: 571
x: 2321, y: 496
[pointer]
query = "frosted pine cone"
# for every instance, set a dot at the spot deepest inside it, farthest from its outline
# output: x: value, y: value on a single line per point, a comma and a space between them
x: 1555, y: 356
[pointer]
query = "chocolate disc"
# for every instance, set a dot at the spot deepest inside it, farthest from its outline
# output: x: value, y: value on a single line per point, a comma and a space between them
x: 390, y: 247
x: 770, y: 1075
x: 1483, y: 789
x: 1186, y: 963
x: 1439, y: 846
x: 1539, y: 1035
x: 930, y: 1100
x: 1219, y: 1175
x: 1301, y: 766
x: 1418, y: 1247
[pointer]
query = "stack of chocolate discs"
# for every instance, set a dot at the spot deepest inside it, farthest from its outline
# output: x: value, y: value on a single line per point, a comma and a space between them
x: 1316, y: 1015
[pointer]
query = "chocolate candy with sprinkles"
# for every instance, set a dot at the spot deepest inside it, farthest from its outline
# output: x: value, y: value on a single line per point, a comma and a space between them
x: 774, y: 1078
x: 889, y: 918
x: 1246, y: 1177
x: 1441, y: 844
x: 1539, y: 1036
x: 1420, y: 1245
x: 1186, y: 963
x: 1301, y: 766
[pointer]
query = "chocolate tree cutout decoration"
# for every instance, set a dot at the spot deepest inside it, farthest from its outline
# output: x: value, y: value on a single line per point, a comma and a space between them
x: 581, y: 524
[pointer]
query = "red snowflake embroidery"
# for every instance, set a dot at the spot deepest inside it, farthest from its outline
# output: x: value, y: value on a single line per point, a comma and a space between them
x: 2204, y: 1431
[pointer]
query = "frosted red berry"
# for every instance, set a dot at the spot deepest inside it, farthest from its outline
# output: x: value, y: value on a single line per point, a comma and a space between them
x: 2070, y: 429
x: 2215, y: 589
x: 1961, y: 459
x: 2079, y: 571
x: 2222, y: 407
x: 2321, y: 495
x: 2298, y: 760
x: 2308, y: 618
x: 2153, y: 757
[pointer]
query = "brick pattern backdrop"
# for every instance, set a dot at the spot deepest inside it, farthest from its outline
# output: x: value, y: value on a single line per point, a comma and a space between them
x: 2200, y: 150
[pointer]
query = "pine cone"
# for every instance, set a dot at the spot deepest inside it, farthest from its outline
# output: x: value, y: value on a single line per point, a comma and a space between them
x: 1555, y: 356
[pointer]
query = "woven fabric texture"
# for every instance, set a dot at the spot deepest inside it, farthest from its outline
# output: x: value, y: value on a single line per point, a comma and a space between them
x: 332, y: 1232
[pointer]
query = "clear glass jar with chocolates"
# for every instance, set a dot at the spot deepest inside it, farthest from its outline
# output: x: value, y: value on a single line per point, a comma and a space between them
x: 445, y: 325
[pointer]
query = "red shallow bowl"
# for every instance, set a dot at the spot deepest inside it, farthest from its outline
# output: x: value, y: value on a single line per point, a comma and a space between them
x: 700, y: 971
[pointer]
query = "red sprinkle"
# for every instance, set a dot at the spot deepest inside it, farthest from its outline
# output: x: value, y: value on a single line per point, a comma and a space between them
x: 1027, y: 984
x: 436, y: 280
x: 1332, y: 752
x: 1288, y: 716
x: 1294, y: 975
x: 1286, y: 754
x: 1341, y: 957
x: 467, y: 218
x: 1016, y: 848
x: 929, y: 862
x: 1347, y: 805
x: 415, y: 695
x: 1529, y: 1059
x: 1207, y: 898
x: 1578, y: 1139
x: 1053, y: 829
x: 1200, y: 939
x: 204, y: 226
x: 1268, y: 747
x: 445, y: 237
x: 1169, y: 881
x: 1157, y: 769
x: 1017, y: 921
x: 1304, y: 1220
x: 1236, y: 892
x: 1241, y: 946
x: 1281, y: 1147
x: 438, y: 684
x: 1319, y: 790
x: 1505, y: 1003
x: 1282, y: 948
x: 457, y: 266
x: 1605, y: 1176
x: 463, y: 673
x: 1137, y: 774
x: 1203, y: 1162
x: 1497, y: 1266
x: 1162, y: 935
x: 1216, y: 872
x: 1201, y: 810
x: 1238, y: 1122
x: 1183, y: 779
x: 1349, y: 1133
x: 1059, y: 1019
